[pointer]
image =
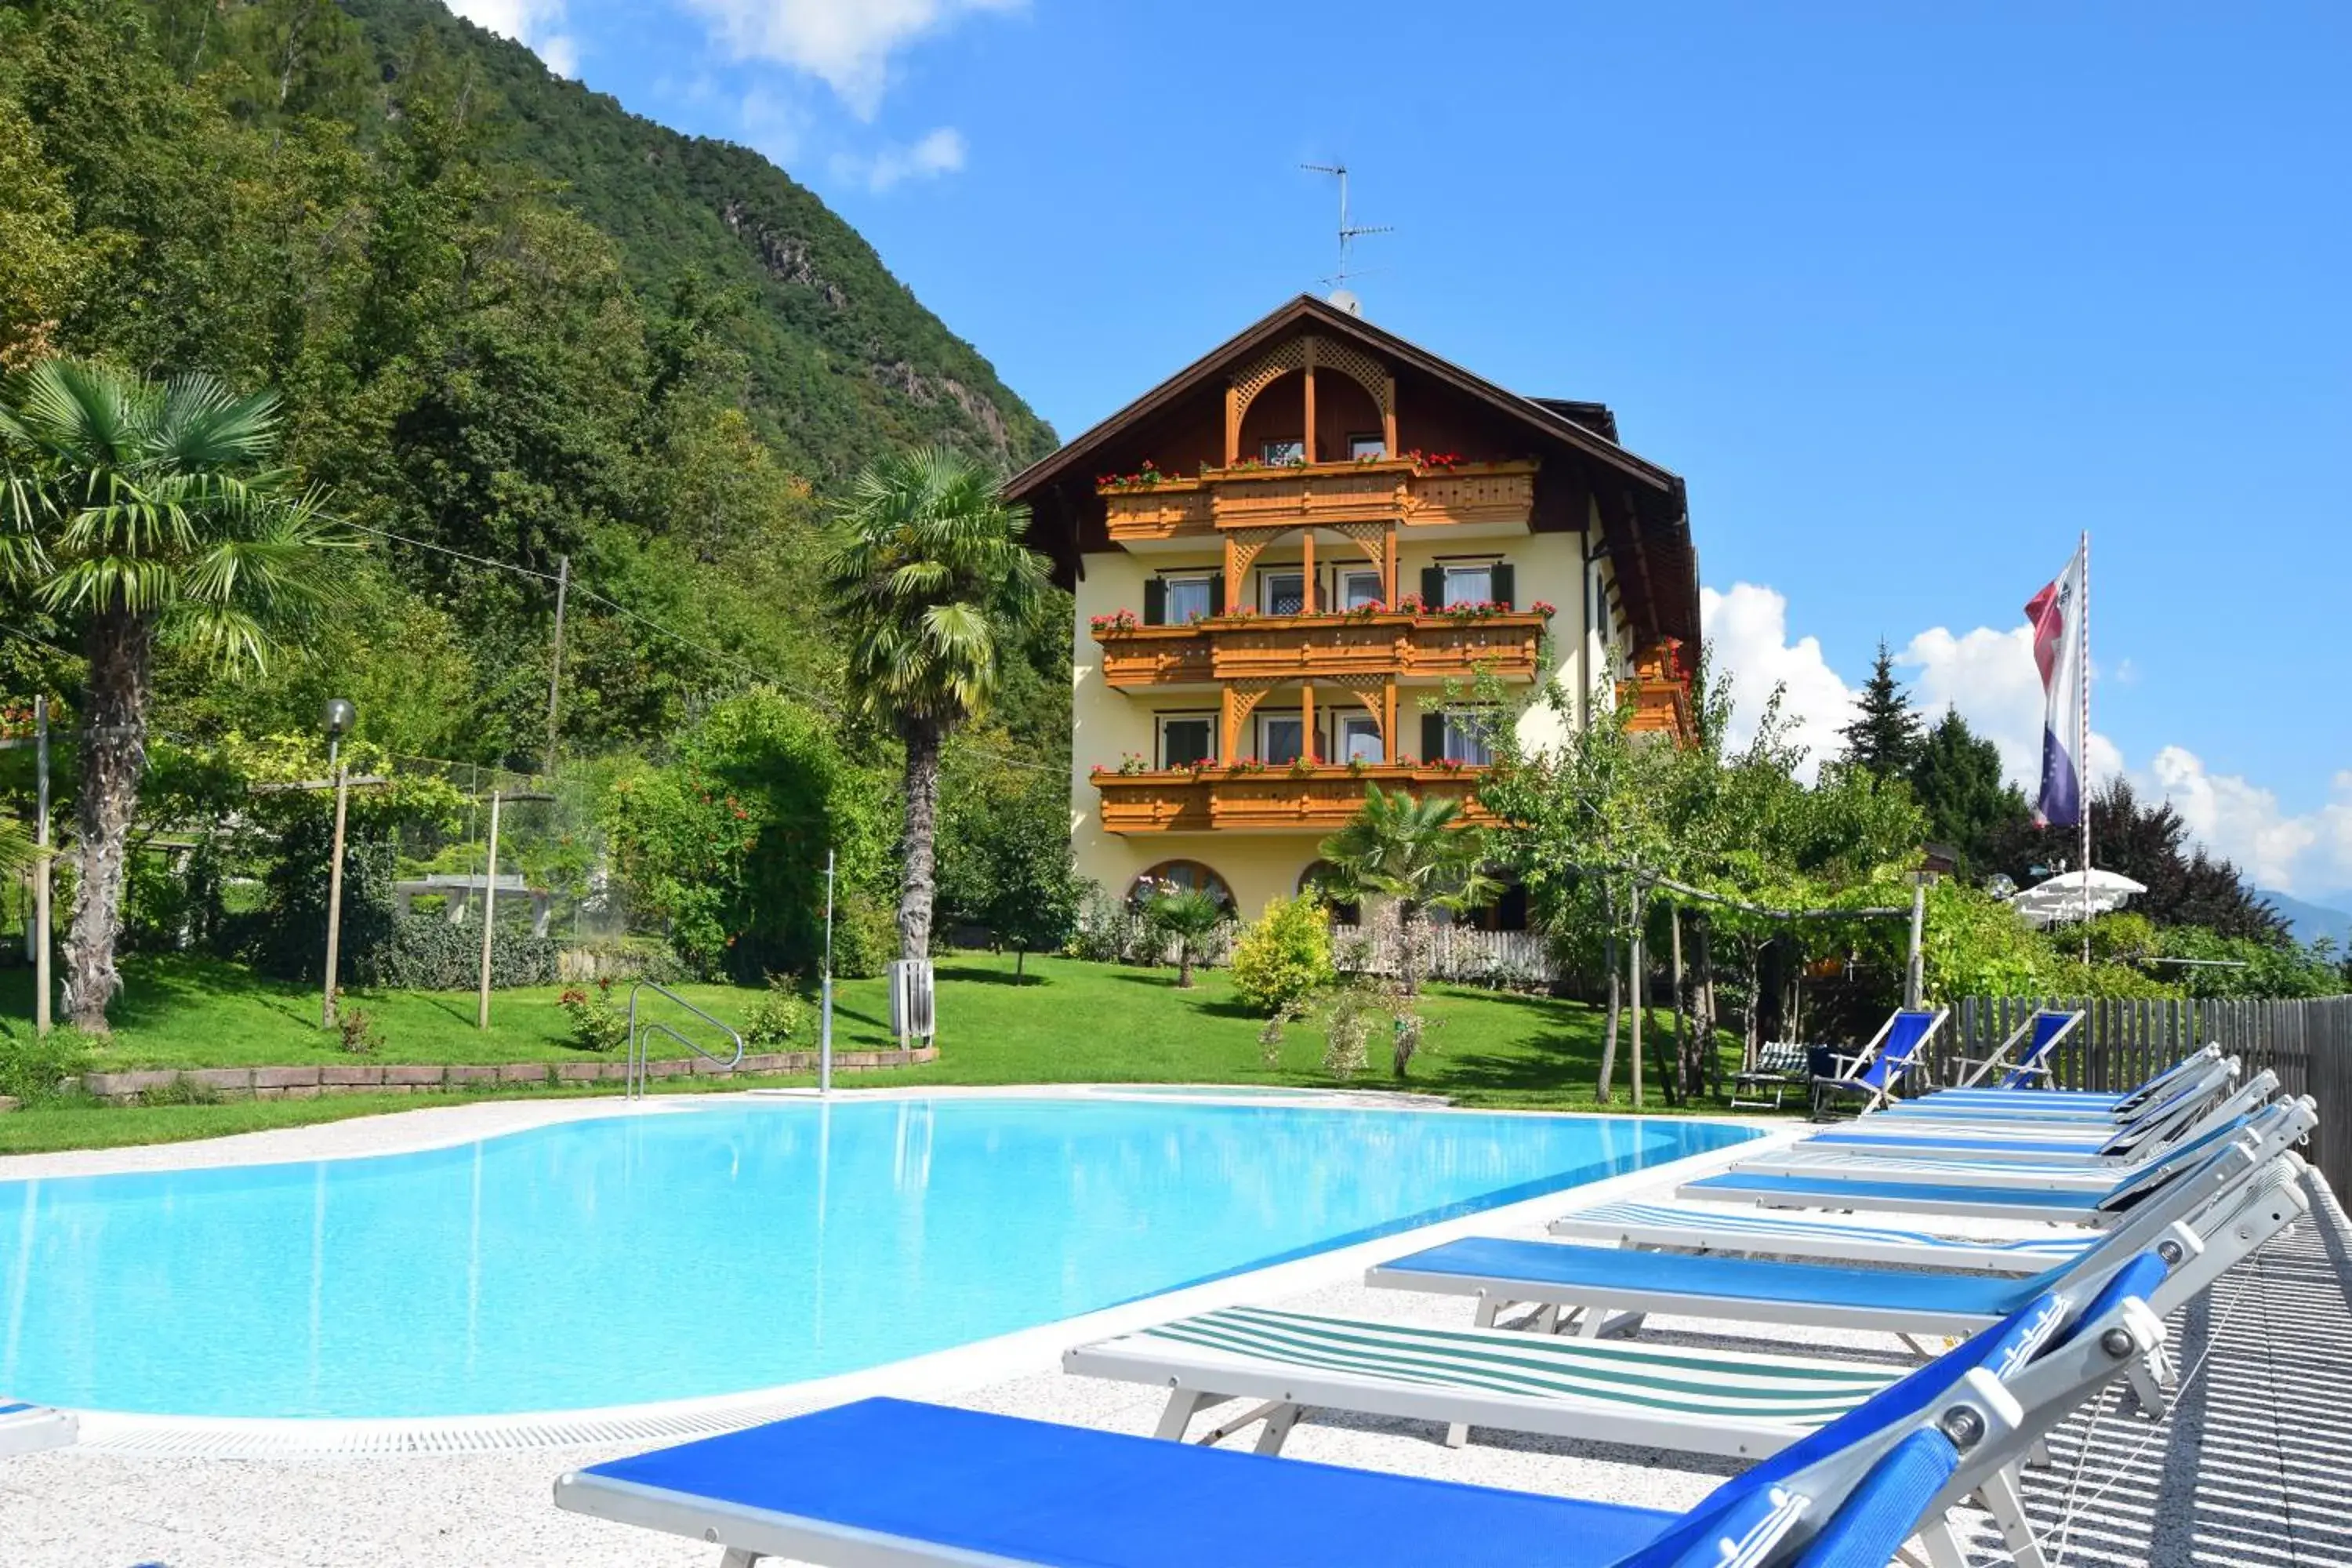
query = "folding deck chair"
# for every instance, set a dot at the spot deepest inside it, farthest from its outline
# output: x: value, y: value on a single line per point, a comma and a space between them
x: 2199, y: 1103
x: 996, y: 1489
x: 2046, y: 1027
x: 2062, y: 1102
x: 1878, y: 1069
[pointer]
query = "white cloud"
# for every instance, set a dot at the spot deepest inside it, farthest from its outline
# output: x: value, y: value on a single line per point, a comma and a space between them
x: 846, y: 44
x: 773, y: 125
x: 537, y: 24
x: 1989, y: 676
x: 939, y: 152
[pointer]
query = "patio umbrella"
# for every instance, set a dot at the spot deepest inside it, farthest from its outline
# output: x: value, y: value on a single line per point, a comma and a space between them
x: 2061, y: 897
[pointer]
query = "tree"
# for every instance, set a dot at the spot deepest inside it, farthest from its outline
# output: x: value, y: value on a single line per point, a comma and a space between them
x: 1882, y: 738
x: 932, y: 584
x: 1189, y: 917
x: 1005, y: 853
x: 1417, y: 853
x: 2148, y: 842
x: 1956, y: 778
x: 147, y: 510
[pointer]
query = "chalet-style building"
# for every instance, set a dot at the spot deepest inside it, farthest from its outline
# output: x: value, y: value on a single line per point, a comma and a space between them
x: 1284, y: 554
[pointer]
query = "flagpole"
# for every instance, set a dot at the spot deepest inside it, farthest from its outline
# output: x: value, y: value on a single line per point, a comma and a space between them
x: 2083, y: 747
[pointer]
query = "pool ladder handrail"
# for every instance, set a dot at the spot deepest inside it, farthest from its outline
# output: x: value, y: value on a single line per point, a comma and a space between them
x: 634, y: 1071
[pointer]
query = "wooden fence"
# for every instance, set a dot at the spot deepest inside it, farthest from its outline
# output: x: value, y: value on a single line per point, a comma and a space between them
x: 2307, y: 1043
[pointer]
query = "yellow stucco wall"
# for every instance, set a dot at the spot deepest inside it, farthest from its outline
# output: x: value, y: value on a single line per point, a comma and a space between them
x: 1107, y: 725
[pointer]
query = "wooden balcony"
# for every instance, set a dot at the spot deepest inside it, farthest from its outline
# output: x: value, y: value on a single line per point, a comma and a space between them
x: 1273, y: 801
x: 1323, y: 648
x: 1325, y: 495
x: 1659, y: 694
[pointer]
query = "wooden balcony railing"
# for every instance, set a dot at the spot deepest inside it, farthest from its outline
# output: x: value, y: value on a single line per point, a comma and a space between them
x: 1323, y: 648
x: 1323, y: 495
x: 1274, y: 800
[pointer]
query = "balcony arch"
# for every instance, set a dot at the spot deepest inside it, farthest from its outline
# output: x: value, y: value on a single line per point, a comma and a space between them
x: 1309, y: 353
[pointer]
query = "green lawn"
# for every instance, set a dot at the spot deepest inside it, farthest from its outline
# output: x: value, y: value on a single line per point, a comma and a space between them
x: 1065, y: 1022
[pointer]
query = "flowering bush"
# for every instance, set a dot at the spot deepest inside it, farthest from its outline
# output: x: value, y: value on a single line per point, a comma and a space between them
x: 1356, y: 766
x: 1544, y: 608
x: 1435, y: 459
x: 1410, y: 604
x: 1117, y: 621
x: 1283, y: 956
x: 1238, y: 612
x: 16, y: 721
x: 1447, y: 765
x: 1304, y: 764
x: 1365, y: 611
x: 1476, y: 610
x: 1246, y: 766
x: 1200, y: 765
x: 596, y: 1024
x: 1133, y: 762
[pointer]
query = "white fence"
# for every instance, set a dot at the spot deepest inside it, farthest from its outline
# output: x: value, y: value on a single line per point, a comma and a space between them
x: 1460, y: 953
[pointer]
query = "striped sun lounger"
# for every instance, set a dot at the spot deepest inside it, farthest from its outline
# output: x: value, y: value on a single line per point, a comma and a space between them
x: 24, y: 1428
x: 1692, y: 1228
x: 1689, y: 1401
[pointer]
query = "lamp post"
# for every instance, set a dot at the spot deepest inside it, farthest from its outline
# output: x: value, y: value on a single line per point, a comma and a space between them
x: 339, y: 717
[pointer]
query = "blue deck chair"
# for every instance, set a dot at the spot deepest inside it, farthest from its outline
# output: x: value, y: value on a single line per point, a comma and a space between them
x: 2060, y: 1103
x: 982, y: 1488
x: 1878, y: 1069
x: 2187, y: 1115
x: 25, y: 1428
x: 2240, y: 1203
x: 2046, y: 1028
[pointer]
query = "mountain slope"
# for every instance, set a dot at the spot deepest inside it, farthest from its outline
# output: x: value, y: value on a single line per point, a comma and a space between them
x: 844, y: 361
x: 2310, y: 922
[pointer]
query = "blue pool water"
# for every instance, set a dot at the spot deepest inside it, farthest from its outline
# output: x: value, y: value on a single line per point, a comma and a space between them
x: 634, y: 1258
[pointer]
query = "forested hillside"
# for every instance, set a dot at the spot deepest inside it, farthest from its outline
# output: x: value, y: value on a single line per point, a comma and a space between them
x: 510, y: 321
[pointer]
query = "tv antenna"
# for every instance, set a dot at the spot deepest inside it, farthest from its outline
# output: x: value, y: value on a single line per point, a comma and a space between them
x: 1348, y: 234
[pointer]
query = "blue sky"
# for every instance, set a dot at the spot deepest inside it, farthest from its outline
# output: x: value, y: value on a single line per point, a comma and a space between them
x: 1911, y: 298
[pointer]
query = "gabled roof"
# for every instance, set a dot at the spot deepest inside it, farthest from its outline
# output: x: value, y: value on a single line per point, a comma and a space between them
x: 1547, y: 417
x: 1645, y: 515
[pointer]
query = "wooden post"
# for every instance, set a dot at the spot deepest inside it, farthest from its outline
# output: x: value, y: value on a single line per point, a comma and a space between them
x: 1389, y: 721
x: 1639, y: 1002
x: 1388, y: 566
x: 1228, y: 724
x: 41, y: 912
x: 1306, y: 442
x: 1388, y: 420
x: 1306, y: 746
x: 1307, y: 594
x: 1914, y: 969
x: 334, y: 885
x: 490, y: 918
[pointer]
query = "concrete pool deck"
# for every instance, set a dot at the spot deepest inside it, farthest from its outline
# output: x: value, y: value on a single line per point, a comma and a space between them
x: 2249, y: 1468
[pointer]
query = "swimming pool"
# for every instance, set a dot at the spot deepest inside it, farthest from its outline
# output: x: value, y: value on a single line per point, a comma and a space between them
x: 628, y: 1260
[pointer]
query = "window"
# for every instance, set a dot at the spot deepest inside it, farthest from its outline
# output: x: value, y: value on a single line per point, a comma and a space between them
x: 1318, y: 882
x: 1364, y: 448
x: 1188, y: 599
x: 1282, y: 738
x: 1360, y: 739
x: 1186, y: 741
x: 1179, y: 874
x: 1359, y: 588
x: 1283, y: 449
x: 1282, y: 593
x: 1465, y: 740
x: 1472, y: 584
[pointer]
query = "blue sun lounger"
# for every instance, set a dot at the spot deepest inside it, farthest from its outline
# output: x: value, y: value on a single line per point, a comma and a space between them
x: 1878, y: 1069
x: 26, y: 1429
x: 2062, y: 1103
x: 2047, y: 1028
x: 2185, y: 1113
x: 1579, y: 1287
x: 980, y: 1489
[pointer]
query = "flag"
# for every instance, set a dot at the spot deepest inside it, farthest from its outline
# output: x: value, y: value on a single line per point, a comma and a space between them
x: 2056, y: 615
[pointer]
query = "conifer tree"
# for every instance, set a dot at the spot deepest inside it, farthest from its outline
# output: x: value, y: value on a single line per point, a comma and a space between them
x: 1884, y: 737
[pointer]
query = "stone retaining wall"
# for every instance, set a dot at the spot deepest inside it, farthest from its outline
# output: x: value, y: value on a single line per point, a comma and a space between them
x: 308, y: 1083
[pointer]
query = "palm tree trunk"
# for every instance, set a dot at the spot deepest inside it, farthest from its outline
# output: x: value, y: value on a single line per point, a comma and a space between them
x: 1183, y: 963
x: 113, y: 756
x: 915, y: 890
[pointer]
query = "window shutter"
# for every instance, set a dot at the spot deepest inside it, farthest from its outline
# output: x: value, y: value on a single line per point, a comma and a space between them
x: 1155, y: 602
x: 1432, y: 587
x: 1217, y: 592
x: 1503, y: 587
x: 1433, y: 737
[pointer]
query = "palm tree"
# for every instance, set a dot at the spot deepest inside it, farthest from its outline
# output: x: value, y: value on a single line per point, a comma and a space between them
x: 1188, y: 915
x: 147, y: 510
x: 926, y: 570
x: 1414, y: 853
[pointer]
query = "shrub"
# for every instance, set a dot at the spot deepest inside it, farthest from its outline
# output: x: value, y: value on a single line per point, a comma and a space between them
x: 778, y: 1017
x: 360, y: 1036
x: 182, y: 1091
x: 1283, y: 956
x: 41, y: 1067
x: 596, y: 1024
x: 425, y: 953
